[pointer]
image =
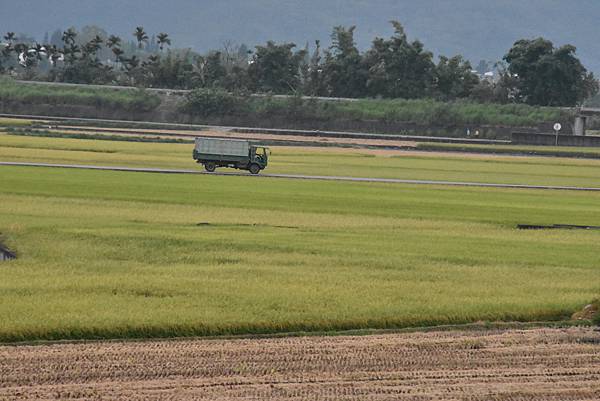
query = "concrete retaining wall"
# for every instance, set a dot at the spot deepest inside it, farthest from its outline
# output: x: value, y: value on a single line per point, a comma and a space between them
x: 527, y: 138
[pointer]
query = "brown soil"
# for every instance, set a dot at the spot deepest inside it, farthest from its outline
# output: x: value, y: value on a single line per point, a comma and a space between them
x: 251, y: 136
x: 541, y: 364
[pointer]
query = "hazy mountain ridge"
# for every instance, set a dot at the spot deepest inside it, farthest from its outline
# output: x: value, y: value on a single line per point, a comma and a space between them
x: 476, y: 29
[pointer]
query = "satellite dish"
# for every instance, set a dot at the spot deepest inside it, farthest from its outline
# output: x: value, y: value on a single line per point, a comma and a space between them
x: 557, y: 127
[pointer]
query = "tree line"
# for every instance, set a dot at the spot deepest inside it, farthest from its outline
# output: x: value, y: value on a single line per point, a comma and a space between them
x: 533, y: 71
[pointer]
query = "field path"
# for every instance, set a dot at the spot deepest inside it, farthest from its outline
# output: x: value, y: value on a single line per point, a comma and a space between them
x: 305, y: 177
x: 539, y: 364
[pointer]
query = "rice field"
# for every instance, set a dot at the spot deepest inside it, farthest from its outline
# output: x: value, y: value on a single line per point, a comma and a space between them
x: 318, y: 161
x: 128, y: 255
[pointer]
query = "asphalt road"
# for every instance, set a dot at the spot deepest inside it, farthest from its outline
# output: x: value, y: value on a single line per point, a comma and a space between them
x: 303, y: 177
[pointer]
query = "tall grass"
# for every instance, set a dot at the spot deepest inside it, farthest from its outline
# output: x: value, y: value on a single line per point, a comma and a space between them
x: 132, y: 100
x: 425, y: 112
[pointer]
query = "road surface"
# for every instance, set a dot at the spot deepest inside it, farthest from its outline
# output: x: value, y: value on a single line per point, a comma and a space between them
x: 305, y: 177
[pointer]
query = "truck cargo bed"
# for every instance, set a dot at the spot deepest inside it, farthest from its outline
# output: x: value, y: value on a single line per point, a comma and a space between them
x: 222, y: 147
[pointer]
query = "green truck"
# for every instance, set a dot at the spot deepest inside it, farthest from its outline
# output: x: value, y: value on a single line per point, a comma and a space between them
x: 239, y: 154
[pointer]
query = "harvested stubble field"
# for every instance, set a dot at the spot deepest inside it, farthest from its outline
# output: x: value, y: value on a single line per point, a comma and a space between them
x: 524, y: 365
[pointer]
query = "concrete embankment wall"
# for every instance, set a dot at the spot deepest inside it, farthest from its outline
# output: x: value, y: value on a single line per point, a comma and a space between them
x: 528, y: 138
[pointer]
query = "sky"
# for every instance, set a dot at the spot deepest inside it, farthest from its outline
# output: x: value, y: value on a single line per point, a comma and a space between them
x: 474, y: 28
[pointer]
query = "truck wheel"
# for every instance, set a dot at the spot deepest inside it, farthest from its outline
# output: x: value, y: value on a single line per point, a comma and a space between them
x: 254, y: 168
x: 210, y: 167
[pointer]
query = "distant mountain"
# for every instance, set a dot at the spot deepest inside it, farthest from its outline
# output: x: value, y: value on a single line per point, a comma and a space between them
x: 477, y: 29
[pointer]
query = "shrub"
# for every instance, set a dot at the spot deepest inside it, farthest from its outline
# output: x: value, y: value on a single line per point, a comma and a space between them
x: 212, y: 102
x: 132, y: 100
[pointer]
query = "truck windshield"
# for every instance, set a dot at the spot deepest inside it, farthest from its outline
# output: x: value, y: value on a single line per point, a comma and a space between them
x: 261, y: 153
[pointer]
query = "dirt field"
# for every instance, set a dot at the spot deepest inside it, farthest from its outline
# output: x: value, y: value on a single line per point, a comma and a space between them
x: 541, y: 364
x: 395, y: 143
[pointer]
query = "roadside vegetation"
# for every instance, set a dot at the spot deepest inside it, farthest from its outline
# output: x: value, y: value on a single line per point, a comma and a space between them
x: 132, y: 100
x: 14, y: 122
x: 521, y: 150
x: 99, y: 137
x: 424, y: 112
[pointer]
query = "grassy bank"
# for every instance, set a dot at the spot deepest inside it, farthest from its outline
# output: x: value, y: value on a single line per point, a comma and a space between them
x: 112, y: 254
x: 571, y: 152
x: 425, y: 112
x: 131, y: 100
x: 429, y: 117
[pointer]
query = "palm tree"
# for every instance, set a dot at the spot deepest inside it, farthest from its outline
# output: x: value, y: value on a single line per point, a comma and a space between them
x: 118, y: 52
x: 93, y: 46
x: 141, y: 36
x: 71, y: 54
x: 9, y: 37
x: 69, y: 37
x: 132, y: 69
x: 132, y: 63
x: 54, y: 55
x: 8, y: 49
x: 113, y: 41
x: 163, y: 39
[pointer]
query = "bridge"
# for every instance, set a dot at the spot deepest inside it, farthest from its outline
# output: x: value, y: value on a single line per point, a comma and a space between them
x: 581, y: 116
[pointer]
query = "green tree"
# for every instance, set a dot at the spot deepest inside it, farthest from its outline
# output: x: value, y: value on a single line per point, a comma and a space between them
x: 69, y: 37
x: 315, y: 85
x: 113, y: 41
x: 140, y: 36
x: 399, y: 68
x: 10, y: 37
x: 162, y: 40
x: 453, y: 78
x: 344, y: 73
x: 118, y: 52
x: 276, y: 68
x: 549, y: 76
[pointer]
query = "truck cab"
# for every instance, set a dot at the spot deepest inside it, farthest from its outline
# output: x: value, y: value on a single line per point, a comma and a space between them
x: 260, y: 155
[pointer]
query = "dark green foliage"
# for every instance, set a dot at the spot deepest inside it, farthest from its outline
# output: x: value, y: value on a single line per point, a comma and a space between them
x: 172, y: 71
x: 344, y: 72
x: 276, y: 68
x: 549, y: 76
x: 394, y: 68
x: 134, y: 100
x: 398, y: 68
x: 215, y: 103
x: 454, y: 79
x: 211, y: 102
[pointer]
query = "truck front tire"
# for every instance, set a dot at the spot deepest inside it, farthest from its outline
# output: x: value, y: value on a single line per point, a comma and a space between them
x: 254, y: 168
x: 210, y: 167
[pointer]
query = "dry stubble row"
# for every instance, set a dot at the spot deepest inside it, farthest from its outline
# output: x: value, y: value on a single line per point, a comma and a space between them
x: 543, y: 364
